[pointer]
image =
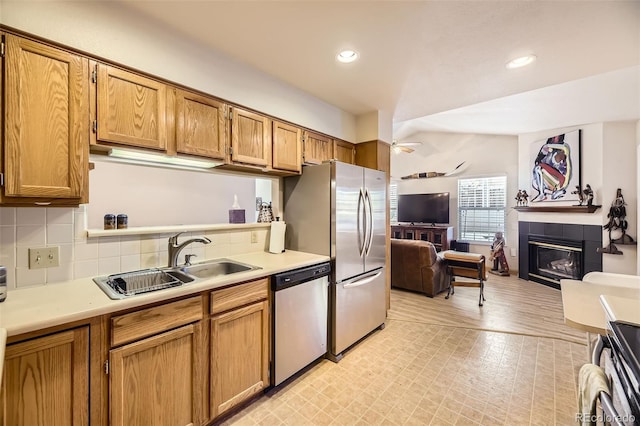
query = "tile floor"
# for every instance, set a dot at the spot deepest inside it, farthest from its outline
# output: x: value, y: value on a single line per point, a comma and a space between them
x: 420, y: 374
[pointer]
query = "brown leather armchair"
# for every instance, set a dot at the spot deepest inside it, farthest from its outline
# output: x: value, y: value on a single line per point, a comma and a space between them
x: 416, y: 266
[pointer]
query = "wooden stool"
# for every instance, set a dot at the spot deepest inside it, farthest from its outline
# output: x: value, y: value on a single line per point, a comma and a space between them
x: 468, y: 265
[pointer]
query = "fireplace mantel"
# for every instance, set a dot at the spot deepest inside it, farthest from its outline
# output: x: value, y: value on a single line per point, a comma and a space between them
x: 558, y: 209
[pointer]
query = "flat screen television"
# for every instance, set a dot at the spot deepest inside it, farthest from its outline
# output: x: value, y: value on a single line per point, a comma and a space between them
x: 424, y: 208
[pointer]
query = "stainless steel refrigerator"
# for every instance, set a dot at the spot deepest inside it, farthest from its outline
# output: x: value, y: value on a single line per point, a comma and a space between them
x: 338, y: 210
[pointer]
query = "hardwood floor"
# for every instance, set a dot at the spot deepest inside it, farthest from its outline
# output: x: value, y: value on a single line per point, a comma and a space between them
x: 513, y: 306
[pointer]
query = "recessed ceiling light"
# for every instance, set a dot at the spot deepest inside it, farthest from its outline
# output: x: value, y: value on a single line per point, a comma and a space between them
x: 521, y: 61
x: 347, y: 56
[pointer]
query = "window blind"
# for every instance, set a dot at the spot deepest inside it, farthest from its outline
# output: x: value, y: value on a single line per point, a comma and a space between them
x: 481, y: 208
x: 393, y: 202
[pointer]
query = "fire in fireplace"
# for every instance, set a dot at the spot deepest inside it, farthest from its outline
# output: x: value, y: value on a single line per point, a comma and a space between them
x: 551, y: 260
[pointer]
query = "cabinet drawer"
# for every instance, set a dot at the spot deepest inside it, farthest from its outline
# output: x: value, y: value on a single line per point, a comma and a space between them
x: 239, y: 295
x: 145, y: 322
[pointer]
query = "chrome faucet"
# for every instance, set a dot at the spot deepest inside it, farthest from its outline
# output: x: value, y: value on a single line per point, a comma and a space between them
x: 175, y: 248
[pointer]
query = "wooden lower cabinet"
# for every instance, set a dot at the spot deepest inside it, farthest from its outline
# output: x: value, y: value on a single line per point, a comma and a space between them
x: 46, y: 381
x: 239, y: 355
x: 158, y: 380
x: 439, y: 236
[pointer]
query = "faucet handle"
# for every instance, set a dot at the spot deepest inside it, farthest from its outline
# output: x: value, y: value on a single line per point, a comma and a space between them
x: 174, y: 238
x: 187, y: 259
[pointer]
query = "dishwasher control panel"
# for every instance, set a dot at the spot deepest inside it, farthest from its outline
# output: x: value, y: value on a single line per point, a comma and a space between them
x: 299, y: 276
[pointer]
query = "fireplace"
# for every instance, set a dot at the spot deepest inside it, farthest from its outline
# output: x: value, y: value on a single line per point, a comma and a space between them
x: 550, y: 252
x: 552, y: 259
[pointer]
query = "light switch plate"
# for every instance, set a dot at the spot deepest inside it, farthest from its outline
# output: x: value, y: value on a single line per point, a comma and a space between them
x: 45, y: 257
x: 254, y: 237
x: 514, y: 252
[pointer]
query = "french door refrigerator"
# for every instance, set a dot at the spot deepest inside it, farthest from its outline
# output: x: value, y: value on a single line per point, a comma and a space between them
x: 338, y: 210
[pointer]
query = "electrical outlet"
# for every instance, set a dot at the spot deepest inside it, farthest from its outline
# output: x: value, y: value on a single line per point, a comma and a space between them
x: 45, y: 257
x: 514, y: 252
x: 254, y: 237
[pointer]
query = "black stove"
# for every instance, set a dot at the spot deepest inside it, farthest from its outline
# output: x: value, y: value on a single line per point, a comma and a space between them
x: 625, y: 353
x: 629, y: 337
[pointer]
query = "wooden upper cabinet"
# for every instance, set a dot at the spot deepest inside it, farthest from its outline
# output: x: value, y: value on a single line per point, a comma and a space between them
x: 317, y: 148
x: 200, y: 125
x: 344, y: 151
x: 287, y: 147
x: 374, y: 155
x: 46, y: 381
x: 131, y: 109
x: 46, y: 121
x: 250, y: 138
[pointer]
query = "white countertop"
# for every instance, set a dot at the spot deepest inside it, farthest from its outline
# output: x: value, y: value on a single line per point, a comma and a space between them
x: 582, y: 307
x: 35, y: 308
x: 622, y: 309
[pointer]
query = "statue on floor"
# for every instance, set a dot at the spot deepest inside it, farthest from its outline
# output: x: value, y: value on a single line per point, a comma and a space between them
x: 498, y: 257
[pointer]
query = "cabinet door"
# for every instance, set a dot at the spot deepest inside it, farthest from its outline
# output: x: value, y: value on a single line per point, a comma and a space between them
x: 239, y: 355
x: 250, y: 138
x: 344, y: 151
x: 131, y: 109
x: 46, y: 381
x: 46, y: 126
x: 287, y: 147
x: 200, y: 125
x: 317, y: 148
x: 156, y: 381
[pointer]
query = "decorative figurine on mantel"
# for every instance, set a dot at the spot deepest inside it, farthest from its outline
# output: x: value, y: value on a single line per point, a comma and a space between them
x: 500, y: 265
x: 617, y: 221
x: 519, y: 199
x: 579, y: 193
x: 588, y: 194
x: 525, y: 198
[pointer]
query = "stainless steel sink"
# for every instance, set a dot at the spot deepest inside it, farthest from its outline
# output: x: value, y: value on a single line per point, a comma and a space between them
x: 215, y: 268
x: 123, y: 285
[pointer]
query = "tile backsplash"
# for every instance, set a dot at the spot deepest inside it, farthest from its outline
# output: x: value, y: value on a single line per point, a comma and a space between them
x: 22, y: 228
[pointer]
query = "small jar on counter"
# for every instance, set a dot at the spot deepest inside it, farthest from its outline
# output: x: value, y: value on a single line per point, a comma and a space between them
x: 122, y: 221
x: 109, y: 221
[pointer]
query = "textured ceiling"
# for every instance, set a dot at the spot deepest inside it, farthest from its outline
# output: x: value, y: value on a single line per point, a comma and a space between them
x: 440, y: 62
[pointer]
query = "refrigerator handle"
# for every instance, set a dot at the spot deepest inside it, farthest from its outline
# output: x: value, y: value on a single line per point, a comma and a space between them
x: 361, y: 240
x: 367, y: 198
x: 363, y: 281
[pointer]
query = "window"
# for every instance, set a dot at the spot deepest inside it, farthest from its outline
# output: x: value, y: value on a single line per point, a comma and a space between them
x: 481, y: 208
x: 393, y: 203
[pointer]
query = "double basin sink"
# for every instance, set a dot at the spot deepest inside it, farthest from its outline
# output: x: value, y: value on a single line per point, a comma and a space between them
x: 121, y: 286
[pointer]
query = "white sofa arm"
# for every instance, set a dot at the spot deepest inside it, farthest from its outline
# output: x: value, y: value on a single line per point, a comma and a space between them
x: 607, y: 278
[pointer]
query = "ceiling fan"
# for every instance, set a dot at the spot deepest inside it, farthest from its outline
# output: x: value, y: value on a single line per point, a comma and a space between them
x: 398, y: 147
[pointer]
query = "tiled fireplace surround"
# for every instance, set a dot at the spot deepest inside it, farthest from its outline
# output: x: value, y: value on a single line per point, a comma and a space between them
x: 22, y: 228
x: 591, y: 235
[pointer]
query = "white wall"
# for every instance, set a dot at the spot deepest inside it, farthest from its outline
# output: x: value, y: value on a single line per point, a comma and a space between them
x: 591, y: 170
x: 112, y: 31
x: 619, y: 171
x: 638, y: 186
x: 608, y: 162
x: 484, y: 155
x: 153, y: 196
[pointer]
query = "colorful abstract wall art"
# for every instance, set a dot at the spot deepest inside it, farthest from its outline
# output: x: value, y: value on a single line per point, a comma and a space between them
x: 555, y: 167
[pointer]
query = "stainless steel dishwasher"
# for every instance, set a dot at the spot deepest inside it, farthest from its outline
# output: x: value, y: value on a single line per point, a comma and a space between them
x: 300, y: 310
